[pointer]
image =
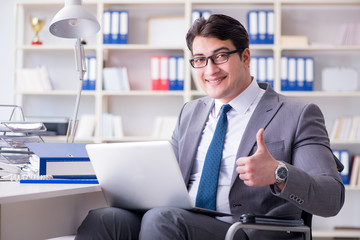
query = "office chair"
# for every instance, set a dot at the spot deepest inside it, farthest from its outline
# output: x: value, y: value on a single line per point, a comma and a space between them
x: 249, y: 221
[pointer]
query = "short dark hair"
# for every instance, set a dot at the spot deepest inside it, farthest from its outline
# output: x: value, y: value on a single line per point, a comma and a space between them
x: 219, y: 26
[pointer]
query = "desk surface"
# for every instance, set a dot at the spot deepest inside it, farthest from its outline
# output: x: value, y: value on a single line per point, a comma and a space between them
x: 63, y: 208
x: 16, y: 192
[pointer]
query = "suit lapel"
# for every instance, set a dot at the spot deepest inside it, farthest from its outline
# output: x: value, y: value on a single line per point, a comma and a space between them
x: 192, y: 137
x: 262, y: 116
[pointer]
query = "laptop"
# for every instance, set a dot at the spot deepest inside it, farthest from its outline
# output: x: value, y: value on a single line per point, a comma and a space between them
x: 141, y: 175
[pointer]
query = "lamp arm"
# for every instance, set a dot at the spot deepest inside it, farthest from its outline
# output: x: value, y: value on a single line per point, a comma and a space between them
x: 81, y: 68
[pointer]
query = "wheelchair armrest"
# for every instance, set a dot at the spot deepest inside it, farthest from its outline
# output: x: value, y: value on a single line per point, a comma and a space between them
x: 270, y: 220
x: 267, y: 223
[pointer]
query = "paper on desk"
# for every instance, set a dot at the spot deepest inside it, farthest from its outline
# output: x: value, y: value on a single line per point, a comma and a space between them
x: 18, y: 141
x: 24, y: 126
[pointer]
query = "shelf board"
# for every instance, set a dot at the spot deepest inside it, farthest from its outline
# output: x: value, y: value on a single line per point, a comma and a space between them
x: 103, y: 93
x: 144, y: 2
x: 325, y: 2
x: 52, y: 47
x: 143, y: 93
x: 348, y: 142
x: 133, y: 139
x: 139, y: 47
x: 198, y: 93
x: 58, y: 93
x: 352, y: 188
x: 320, y: 94
x: 262, y: 47
x: 351, y: 233
x: 232, y: 2
x: 324, y: 47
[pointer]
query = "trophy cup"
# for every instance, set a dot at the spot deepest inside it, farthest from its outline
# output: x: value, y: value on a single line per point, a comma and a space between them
x: 36, y: 24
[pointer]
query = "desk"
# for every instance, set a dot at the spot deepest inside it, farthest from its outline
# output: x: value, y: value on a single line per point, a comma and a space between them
x: 41, y: 211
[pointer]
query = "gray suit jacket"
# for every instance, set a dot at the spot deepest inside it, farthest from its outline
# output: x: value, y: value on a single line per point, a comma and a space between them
x: 294, y: 133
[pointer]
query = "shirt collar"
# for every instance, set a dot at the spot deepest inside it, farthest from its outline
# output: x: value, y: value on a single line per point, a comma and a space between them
x: 243, y: 101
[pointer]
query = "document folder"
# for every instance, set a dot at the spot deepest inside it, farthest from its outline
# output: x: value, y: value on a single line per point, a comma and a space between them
x: 63, y: 160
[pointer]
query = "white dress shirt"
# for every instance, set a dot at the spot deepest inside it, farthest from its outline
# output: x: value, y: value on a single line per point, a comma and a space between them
x: 238, y: 117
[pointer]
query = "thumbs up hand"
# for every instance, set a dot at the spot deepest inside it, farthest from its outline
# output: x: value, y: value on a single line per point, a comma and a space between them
x: 258, y: 169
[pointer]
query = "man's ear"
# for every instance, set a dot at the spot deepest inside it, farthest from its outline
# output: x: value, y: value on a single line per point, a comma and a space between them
x: 245, y: 57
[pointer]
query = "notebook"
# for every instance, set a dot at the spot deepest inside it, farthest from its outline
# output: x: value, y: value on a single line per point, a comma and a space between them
x: 141, y: 176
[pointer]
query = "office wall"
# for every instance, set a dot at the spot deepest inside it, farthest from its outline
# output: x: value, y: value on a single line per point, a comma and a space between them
x: 7, y: 26
x: 6, y: 51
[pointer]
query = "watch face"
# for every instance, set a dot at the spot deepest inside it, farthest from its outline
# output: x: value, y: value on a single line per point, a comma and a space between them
x: 282, y: 172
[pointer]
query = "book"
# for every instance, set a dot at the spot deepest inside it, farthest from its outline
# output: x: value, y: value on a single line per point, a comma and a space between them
x: 155, y: 72
x: 63, y: 160
x: 288, y: 40
x: 117, y: 124
x: 270, y: 71
x: 196, y: 14
x: 355, y: 171
x: 284, y: 73
x: 165, y: 31
x: 28, y: 79
x: 254, y: 67
x: 164, y: 73
x: 172, y: 73
x: 164, y: 127
x: 330, y: 79
x: 92, y: 73
x: 111, y: 126
x: 116, y: 79
x: 106, y: 27
x: 86, y: 79
x: 124, y: 27
x: 261, y: 26
x: 180, y: 73
x: 60, y: 181
x: 86, y: 126
x: 115, y: 27
x: 309, y: 74
x: 44, y: 78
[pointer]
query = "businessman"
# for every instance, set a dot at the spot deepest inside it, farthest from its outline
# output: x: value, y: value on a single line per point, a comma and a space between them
x: 274, y: 152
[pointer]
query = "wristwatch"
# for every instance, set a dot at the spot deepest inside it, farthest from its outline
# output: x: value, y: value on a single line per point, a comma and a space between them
x: 281, y: 173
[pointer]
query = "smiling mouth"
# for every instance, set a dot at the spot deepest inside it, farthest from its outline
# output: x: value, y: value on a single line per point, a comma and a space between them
x: 215, y: 81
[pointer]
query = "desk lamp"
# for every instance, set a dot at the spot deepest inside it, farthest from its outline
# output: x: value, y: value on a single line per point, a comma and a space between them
x: 75, y: 21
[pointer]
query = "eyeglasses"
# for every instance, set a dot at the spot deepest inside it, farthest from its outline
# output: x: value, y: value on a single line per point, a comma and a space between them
x: 217, y: 58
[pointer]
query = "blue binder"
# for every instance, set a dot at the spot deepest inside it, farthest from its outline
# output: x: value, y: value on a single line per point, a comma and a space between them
x: 172, y: 73
x: 92, y: 73
x: 63, y: 160
x: 123, y: 27
x: 85, y: 85
x: 252, y: 17
x: 344, y: 156
x: 115, y: 27
x: 261, y: 26
x: 309, y: 74
x: 180, y: 73
x: 106, y: 27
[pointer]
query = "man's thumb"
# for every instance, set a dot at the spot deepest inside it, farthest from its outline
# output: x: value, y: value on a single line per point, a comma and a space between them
x: 260, y: 141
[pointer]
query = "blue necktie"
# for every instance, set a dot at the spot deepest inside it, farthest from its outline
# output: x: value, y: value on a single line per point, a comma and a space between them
x: 206, y: 195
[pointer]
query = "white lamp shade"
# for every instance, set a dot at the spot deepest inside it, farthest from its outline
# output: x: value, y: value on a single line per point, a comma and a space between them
x: 74, y: 21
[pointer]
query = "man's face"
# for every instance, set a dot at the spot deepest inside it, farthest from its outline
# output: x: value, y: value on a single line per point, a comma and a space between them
x: 224, y: 81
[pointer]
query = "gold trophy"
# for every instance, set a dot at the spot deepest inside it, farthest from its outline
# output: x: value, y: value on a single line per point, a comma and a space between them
x: 37, y: 25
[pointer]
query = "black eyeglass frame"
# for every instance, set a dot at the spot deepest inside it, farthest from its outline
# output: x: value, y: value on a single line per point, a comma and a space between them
x: 211, y: 58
